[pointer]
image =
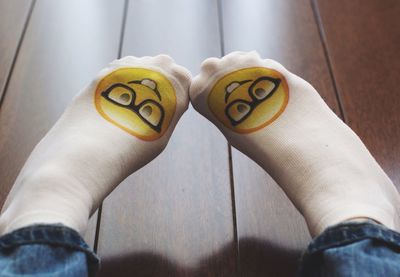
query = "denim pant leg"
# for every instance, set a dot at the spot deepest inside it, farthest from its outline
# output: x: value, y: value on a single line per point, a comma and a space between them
x: 353, y: 249
x: 46, y: 250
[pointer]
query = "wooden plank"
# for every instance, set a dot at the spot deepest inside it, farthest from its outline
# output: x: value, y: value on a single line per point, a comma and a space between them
x: 271, y: 232
x: 90, y: 235
x: 13, y: 16
x: 55, y: 61
x: 364, y: 50
x: 175, y: 213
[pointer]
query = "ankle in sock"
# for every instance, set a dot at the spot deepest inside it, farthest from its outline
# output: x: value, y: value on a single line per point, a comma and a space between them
x: 280, y: 121
x: 113, y: 127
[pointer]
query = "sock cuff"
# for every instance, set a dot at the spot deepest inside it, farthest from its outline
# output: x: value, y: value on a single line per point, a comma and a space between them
x: 343, y: 213
x: 43, y: 217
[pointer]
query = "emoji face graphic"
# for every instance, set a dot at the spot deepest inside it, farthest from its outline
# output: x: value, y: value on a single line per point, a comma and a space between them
x: 249, y: 99
x: 140, y: 101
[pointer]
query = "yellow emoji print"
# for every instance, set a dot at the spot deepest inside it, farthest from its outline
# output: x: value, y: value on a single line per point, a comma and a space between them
x: 249, y: 99
x: 140, y: 101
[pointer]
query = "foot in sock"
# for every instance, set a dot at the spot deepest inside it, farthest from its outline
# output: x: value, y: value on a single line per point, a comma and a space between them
x: 280, y: 121
x: 114, y: 126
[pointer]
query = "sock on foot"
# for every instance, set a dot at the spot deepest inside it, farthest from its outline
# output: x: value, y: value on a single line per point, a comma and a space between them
x: 113, y: 127
x: 280, y: 121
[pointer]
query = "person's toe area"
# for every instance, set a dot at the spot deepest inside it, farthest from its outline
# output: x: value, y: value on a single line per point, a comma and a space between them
x: 213, y: 68
x: 178, y: 75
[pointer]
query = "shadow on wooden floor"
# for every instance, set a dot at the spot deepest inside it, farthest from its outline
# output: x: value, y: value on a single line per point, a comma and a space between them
x: 259, y: 258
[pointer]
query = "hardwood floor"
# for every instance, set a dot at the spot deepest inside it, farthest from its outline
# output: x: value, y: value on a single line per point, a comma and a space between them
x: 13, y: 19
x: 271, y: 232
x: 364, y: 52
x: 178, y: 214
x: 201, y: 208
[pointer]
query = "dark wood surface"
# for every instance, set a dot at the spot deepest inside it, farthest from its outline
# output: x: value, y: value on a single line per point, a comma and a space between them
x: 364, y: 48
x: 13, y: 19
x: 271, y: 232
x: 175, y: 214
x: 201, y: 208
x: 55, y: 61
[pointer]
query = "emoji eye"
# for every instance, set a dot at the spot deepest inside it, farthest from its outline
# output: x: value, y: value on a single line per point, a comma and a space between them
x: 237, y: 111
x: 120, y: 95
x: 263, y: 87
x: 232, y: 86
x: 151, y: 113
x: 149, y: 83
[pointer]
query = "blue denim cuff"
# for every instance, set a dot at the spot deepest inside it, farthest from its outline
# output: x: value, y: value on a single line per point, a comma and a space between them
x: 352, y: 246
x: 53, y: 235
x: 349, y: 232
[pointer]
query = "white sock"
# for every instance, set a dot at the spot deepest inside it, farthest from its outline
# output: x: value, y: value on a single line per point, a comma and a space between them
x: 280, y: 121
x: 113, y: 127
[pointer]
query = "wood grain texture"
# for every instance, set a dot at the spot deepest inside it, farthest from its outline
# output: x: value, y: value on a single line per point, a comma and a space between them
x: 14, y: 14
x: 55, y: 61
x: 271, y: 232
x: 174, y: 216
x: 364, y: 50
x: 90, y: 235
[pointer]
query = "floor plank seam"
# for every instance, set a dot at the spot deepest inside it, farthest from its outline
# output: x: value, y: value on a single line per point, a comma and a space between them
x: 14, y: 60
x: 221, y: 27
x: 232, y: 183
x: 233, y: 200
x: 97, y: 233
x: 122, y: 35
x: 323, y: 40
x: 121, y: 42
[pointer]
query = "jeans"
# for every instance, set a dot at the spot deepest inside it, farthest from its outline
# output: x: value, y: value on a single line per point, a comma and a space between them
x: 348, y: 249
x: 46, y: 250
x: 353, y: 249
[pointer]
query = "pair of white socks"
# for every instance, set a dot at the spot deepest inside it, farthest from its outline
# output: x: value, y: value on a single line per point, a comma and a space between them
x: 125, y: 117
